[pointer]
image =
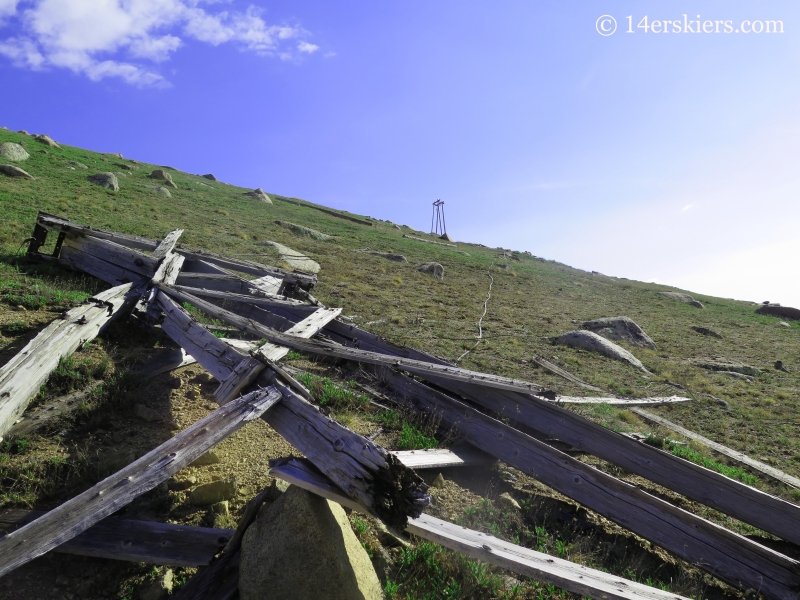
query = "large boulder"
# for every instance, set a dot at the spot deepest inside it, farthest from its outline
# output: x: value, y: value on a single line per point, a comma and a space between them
x: 304, y: 231
x: 293, y: 258
x: 106, y: 180
x: 46, y: 139
x: 433, y: 269
x: 210, y: 177
x: 259, y: 194
x: 620, y: 329
x: 680, y: 297
x: 164, y: 176
x: 12, y: 171
x: 776, y: 310
x: 13, y: 152
x: 588, y: 340
x: 302, y: 547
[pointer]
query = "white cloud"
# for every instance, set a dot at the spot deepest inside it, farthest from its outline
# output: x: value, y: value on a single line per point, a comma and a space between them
x: 102, y: 38
x: 687, y: 207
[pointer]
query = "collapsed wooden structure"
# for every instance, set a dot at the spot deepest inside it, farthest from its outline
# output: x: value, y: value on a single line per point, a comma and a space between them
x: 512, y: 420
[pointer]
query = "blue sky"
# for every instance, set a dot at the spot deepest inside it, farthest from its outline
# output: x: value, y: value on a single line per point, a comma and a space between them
x: 667, y: 157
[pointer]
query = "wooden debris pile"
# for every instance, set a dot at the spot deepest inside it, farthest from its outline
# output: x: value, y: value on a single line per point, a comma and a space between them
x: 508, y: 419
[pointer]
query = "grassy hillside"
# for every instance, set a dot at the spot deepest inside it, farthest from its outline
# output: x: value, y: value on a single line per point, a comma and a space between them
x: 532, y: 300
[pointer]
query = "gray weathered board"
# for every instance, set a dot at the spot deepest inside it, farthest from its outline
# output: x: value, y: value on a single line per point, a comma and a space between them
x: 482, y: 546
x: 137, y: 541
x: 101, y: 500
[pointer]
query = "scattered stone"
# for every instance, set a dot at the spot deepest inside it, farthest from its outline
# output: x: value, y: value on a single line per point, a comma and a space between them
x: 783, y: 324
x: 445, y: 237
x: 721, y: 402
x: 257, y: 193
x: 214, y: 492
x: 588, y: 340
x: 221, y: 508
x: 163, y: 176
x: 70, y: 168
x: 621, y: 329
x: 105, y: 180
x: 160, y: 190
x: 293, y: 258
x: 12, y: 171
x: 776, y: 310
x: 389, y: 256
x: 46, y: 139
x: 160, y: 589
x: 276, y: 488
x: 707, y: 331
x: 22, y: 131
x: 719, y: 364
x: 433, y: 269
x: 304, y: 231
x: 209, y: 458
x: 781, y: 367
x: 737, y: 375
x: 117, y: 154
x: 297, y: 530
x: 686, y: 298
x: 438, y: 482
x: 178, y: 485
x: 126, y: 166
x: 210, y: 177
x: 77, y: 164
x: 507, y: 501
x: 146, y: 413
x: 20, y: 308
x: 13, y: 152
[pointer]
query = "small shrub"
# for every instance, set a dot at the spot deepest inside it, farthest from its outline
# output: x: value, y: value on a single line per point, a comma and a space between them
x: 412, y: 438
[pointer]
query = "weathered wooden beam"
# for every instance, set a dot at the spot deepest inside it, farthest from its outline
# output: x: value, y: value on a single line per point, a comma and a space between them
x: 419, y: 239
x: 727, y: 555
x: 137, y: 541
x: 736, y: 456
x: 54, y: 222
x: 73, y: 258
x: 484, y: 547
x: 653, y: 401
x: 546, y: 364
x: 116, y: 254
x: 228, y: 288
x: 24, y: 374
x: 166, y: 245
x: 101, y: 500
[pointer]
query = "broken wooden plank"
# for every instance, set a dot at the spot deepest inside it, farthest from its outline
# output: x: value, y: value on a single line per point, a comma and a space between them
x: 411, y: 237
x: 268, y: 283
x: 54, y: 222
x: 78, y: 514
x: 727, y: 555
x: 231, y: 289
x: 24, y: 374
x: 325, y: 210
x: 116, y: 254
x: 167, y: 272
x: 166, y: 245
x: 442, y: 458
x: 110, y: 273
x: 137, y: 541
x: 482, y: 546
x: 738, y: 457
x: 653, y: 401
x: 546, y: 364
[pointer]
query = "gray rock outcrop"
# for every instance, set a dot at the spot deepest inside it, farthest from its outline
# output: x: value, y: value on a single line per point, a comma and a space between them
x: 707, y: 331
x: 210, y: 177
x: 588, y: 340
x: 12, y: 171
x: 621, y: 329
x: 160, y: 190
x: 46, y: 139
x: 164, y: 176
x: 686, y: 298
x: 433, y: 269
x: 75, y: 163
x: 13, y: 152
x: 298, y: 530
x: 726, y: 365
x: 293, y: 258
x: 260, y: 195
x: 304, y: 231
x: 389, y: 256
x: 776, y: 310
x: 106, y: 180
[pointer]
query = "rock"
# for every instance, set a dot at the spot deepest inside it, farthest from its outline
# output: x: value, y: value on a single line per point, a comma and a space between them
x: 707, y: 331
x: 721, y: 402
x: 588, y: 340
x: 776, y: 310
x: 176, y: 383
x: 20, y: 308
x: 781, y: 367
x: 214, y: 492
x: 389, y: 256
x: 13, y: 152
x: 276, y: 488
x: 783, y: 324
x: 22, y: 131
x: 12, y: 171
x: 117, y: 154
x: 621, y: 329
x: 126, y: 166
x: 382, y: 563
x: 178, y: 485
x: 438, y: 482
x: 295, y: 259
x: 46, y: 139
x: 304, y: 231
x: 210, y: 177
x: 260, y: 194
x: 146, y: 413
x: 159, y: 589
x: 683, y: 298
x: 106, y: 180
x: 506, y: 501
x: 723, y: 364
x: 76, y: 163
x: 737, y: 375
x: 209, y: 458
x: 433, y: 269
x: 221, y: 508
x: 160, y: 190
x: 445, y: 237
x: 298, y: 530
x: 163, y: 176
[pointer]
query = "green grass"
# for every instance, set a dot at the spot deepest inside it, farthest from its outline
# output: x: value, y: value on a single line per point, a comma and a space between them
x: 412, y: 438
x: 332, y: 395
x: 697, y: 458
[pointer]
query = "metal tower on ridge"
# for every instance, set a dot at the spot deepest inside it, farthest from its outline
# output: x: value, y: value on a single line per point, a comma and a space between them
x: 438, y: 225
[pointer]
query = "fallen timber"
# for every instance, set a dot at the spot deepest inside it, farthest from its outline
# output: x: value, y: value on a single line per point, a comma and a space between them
x: 24, y: 374
x: 81, y: 512
x: 542, y: 567
x: 364, y: 470
x: 708, y: 487
x: 137, y: 541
